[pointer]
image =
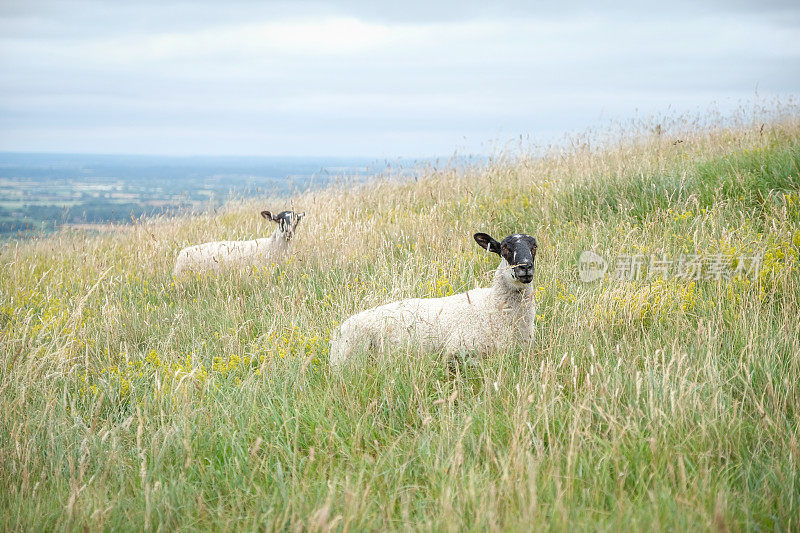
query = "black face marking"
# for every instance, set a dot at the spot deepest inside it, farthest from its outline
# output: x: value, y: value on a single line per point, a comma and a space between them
x: 519, y: 250
x: 287, y: 221
x: 284, y: 220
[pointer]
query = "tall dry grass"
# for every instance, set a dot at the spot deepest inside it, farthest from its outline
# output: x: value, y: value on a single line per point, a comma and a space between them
x: 131, y: 403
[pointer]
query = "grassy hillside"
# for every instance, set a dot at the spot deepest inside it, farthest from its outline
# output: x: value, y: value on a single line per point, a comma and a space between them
x: 657, y: 402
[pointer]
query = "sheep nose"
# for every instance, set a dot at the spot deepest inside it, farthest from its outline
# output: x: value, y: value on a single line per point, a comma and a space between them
x: 524, y: 273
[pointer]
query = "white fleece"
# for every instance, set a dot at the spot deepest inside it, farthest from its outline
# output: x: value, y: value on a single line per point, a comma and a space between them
x: 213, y: 256
x: 477, y: 321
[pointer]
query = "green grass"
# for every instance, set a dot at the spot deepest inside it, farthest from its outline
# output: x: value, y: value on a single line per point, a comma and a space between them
x: 660, y: 403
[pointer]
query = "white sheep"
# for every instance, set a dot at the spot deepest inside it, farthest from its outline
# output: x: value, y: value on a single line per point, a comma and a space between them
x: 213, y: 256
x: 477, y: 321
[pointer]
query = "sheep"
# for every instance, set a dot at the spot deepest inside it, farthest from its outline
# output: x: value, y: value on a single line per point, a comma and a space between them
x: 477, y: 321
x: 212, y: 256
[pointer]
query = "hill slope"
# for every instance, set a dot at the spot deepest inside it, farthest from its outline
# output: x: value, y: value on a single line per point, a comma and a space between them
x: 656, y: 401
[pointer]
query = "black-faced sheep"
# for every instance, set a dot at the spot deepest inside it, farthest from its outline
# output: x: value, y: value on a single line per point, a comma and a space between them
x: 476, y: 321
x: 211, y: 256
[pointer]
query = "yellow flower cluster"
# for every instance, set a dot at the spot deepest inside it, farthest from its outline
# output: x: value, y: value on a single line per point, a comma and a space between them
x: 643, y: 305
x: 780, y: 260
x: 120, y: 374
x: 292, y: 342
x: 44, y: 316
x: 439, y: 288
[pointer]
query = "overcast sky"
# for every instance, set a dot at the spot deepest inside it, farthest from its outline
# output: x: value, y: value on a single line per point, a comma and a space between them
x: 411, y: 78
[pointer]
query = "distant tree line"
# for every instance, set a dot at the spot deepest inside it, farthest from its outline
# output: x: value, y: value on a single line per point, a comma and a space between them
x: 29, y: 218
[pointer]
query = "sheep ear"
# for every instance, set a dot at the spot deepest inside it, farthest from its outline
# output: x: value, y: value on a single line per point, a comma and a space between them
x: 487, y: 243
x: 267, y: 215
x: 301, y: 215
x: 534, y: 245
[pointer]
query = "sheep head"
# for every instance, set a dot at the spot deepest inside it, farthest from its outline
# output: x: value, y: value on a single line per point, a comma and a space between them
x: 518, y: 250
x: 287, y: 222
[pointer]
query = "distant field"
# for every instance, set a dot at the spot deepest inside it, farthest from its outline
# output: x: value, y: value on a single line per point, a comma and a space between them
x: 663, y: 395
x: 42, y: 192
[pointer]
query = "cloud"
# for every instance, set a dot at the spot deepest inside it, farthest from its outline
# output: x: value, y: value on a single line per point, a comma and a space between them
x: 276, y: 78
x: 324, y: 37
